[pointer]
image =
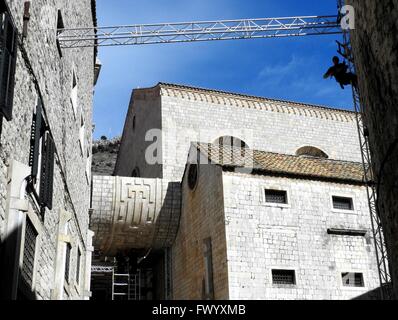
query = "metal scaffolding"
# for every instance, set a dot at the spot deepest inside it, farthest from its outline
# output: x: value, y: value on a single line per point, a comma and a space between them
x: 199, y: 31
x: 369, y: 176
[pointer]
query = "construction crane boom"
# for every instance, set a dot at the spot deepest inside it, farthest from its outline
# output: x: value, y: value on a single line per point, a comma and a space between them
x: 199, y: 31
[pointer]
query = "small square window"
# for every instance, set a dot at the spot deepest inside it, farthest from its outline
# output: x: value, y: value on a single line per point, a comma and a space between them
x: 343, y: 203
x: 351, y: 279
x: 276, y: 196
x: 286, y: 277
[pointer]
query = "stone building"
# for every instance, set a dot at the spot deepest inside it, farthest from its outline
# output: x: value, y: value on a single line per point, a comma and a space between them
x: 45, y: 153
x: 218, y: 195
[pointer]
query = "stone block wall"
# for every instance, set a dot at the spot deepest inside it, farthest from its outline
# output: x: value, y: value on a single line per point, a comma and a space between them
x: 54, y: 75
x: 144, y: 114
x: 262, y: 237
x: 202, y: 217
x: 134, y: 213
x: 187, y: 115
x: 375, y: 47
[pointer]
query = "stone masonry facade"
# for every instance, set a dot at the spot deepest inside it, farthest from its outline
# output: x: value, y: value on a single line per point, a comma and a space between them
x: 262, y: 236
x: 70, y: 125
x: 185, y: 114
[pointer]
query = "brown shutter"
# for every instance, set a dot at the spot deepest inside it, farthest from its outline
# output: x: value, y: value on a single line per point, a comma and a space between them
x: 8, y: 56
x: 47, y: 172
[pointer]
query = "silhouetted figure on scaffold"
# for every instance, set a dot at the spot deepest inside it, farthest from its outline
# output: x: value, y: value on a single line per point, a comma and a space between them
x: 340, y: 72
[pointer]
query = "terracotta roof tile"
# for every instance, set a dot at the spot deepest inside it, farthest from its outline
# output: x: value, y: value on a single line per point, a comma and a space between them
x: 281, y: 164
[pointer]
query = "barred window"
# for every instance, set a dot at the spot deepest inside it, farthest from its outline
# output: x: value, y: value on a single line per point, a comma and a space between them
x: 283, y: 277
x: 342, y: 203
x: 352, y: 279
x: 29, y: 252
x: 67, y: 262
x: 276, y: 196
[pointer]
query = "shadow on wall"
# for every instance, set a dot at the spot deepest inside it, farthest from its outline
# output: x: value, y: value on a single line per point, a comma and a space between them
x: 375, y: 294
x: 24, y: 291
x: 169, y: 217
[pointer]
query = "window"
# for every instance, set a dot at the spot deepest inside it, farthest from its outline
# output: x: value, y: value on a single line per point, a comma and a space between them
x: 8, y: 59
x: 88, y: 165
x: 41, y: 159
x: 73, y: 95
x: 284, y: 277
x: 60, y: 26
x: 351, y: 279
x: 235, y: 144
x: 134, y: 122
x: 79, y: 256
x: 29, y: 253
x: 275, y: 196
x: 342, y: 203
x: 67, y: 261
x: 309, y: 151
x: 208, y: 286
x: 82, y: 134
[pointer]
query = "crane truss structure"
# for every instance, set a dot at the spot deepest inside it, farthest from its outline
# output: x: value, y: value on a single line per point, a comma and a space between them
x: 199, y: 31
x: 369, y: 176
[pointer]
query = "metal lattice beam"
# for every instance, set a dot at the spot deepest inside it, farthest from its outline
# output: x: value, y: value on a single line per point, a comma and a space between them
x: 369, y: 177
x: 199, y: 31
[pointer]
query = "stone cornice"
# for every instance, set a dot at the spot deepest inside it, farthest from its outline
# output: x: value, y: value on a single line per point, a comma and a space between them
x: 250, y: 102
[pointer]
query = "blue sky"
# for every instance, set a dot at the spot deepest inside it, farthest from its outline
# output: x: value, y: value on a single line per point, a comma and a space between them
x: 288, y: 69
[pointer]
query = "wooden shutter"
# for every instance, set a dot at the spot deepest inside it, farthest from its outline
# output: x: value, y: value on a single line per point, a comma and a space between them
x: 47, y: 172
x: 35, y: 135
x: 8, y: 59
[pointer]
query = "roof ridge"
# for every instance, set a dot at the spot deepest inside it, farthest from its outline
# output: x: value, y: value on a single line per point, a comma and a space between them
x: 323, y: 107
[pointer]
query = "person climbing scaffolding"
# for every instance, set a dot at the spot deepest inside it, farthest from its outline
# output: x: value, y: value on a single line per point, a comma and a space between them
x: 340, y: 72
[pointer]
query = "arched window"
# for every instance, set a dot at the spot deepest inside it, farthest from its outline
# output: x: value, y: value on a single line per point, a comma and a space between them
x: 229, y: 141
x: 136, y: 173
x: 309, y: 151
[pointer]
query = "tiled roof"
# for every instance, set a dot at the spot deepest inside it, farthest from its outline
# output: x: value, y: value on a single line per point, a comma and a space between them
x: 268, y: 163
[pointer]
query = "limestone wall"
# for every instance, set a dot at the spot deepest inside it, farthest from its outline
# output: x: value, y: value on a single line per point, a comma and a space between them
x: 54, y: 74
x: 134, y: 213
x: 262, y: 237
x: 186, y: 115
x: 202, y: 217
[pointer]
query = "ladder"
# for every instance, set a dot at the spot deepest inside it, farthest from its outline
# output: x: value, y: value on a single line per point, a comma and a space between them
x: 120, y: 286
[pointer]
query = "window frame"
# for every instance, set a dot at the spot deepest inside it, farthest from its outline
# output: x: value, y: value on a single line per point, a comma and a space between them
x: 346, y: 196
x: 82, y: 134
x: 59, y: 25
x: 263, y: 199
x: 74, y: 93
x: 36, y: 224
x: 345, y: 287
x: 282, y: 285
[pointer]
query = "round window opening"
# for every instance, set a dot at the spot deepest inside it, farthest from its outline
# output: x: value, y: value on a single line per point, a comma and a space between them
x: 192, y: 176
